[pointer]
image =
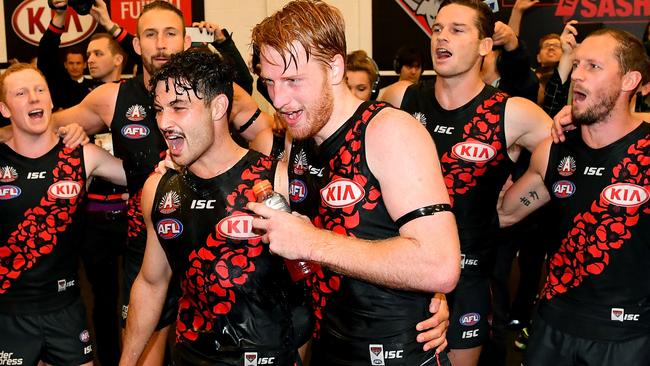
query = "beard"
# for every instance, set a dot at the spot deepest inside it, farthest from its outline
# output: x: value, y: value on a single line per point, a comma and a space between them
x: 598, y: 111
x: 317, y: 116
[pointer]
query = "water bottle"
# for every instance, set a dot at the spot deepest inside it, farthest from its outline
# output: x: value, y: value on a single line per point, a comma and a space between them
x: 263, y: 190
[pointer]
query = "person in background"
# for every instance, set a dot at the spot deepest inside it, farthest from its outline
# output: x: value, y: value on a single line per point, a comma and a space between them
x: 362, y: 75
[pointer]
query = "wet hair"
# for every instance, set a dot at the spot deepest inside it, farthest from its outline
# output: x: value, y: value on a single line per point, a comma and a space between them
x: 14, y: 68
x: 161, y: 5
x: 113, y: 46
x: 198, y: 70
x: 629, y: 51
x: 484, y: 16
x: 546, y: 37
x: 360, y: 61
x: 317, y: 26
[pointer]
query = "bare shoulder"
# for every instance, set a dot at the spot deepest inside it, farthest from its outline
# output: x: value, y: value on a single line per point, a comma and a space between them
x: 394, y: 93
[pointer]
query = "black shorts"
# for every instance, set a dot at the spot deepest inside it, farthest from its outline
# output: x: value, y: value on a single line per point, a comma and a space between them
x: 469, y: 304
x: 550, y: 346
x: 58, y: 338
x: 132, y: 264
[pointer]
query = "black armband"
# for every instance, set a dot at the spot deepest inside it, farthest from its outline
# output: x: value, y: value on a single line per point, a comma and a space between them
x: 422, y: 211
x: 250, y: 121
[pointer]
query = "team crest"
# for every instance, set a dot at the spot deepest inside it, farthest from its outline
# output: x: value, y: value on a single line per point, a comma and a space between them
x: 8, y: 174
x: 567, y: 166
x: 300, y: 165
x: 169, y: 202
x: 136, y: 113
x: 420, y: 117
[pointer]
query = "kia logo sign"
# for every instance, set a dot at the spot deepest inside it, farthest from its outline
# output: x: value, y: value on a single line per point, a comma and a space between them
x: 237, y: 227
x: 473, y: 151
x: 342, y: 193
x: 32, y: 17
x: 625, y: 194
x: 65, y: 189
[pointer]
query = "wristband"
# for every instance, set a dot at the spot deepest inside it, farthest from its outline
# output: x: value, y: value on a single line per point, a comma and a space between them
x: 114, y: 29
x: 250, y: 121
x: 422, y: 211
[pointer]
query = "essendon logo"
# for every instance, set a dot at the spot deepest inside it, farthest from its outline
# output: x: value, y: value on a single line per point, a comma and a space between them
x: 64, y: 189
x: 474, y: 152
x: 169, y: 202
x: 169, y: 228
x: 237, y: 227
x: 297, y: 191
x: 470, y: 319
x: 342, y: 193
x: 625, y: 194
x: 564, y: 189
x: 136, y: 113
x: 135, y: 131
x: 8, y: 174
x: 377, y: 354
x: 567, y: 166
x: 618, y: 314
x: 251, y: 359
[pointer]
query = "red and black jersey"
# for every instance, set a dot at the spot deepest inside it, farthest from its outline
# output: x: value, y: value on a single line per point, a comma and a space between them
x: 39, y: 203
x: 357, y: 322
x: 234, y: 292
x: 473, y: 154
x: 599, y: 275
x: 139, y: 143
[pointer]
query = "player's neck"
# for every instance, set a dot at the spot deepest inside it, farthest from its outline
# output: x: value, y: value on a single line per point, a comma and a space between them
x: 32, y: 146
x: 344, y: 106
x: 222, y: 155
x: 454, y: 92
x: 615, y: 126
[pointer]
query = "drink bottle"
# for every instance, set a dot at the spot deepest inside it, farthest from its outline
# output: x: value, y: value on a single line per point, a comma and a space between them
x: 263, y: 190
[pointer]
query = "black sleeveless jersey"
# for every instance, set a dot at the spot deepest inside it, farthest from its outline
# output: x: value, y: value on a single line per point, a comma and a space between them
x: 39, y: 204
x: 139, y: 143
x: 357, y: 322
x: 234, y: 292
x: 600, y: 197
x: 473, y: 154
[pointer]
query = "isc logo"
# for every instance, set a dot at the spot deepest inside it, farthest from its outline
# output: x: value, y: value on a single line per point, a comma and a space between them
x: 169, y: 228
x: 443, y: 129
x: 625, y: 194
x: 592, y: 170
x: 237, y: 227
x: 9, y: 192
x: 297, y: 190
x: 467, y: 261
x: 470, y: 334
x: 135, y: 131
x: 203, y: 204
x: 342, y: 193
x: 474, y: 152
x: 36, y: 175
x: 378, y: 355
x: 65, y: 189
x: 618, y: 314
x: 470, y: 319
x: 564, y: 189
x: 251, y: 359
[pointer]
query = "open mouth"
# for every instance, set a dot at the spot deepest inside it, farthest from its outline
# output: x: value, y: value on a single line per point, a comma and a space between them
x: 578, y: 95
x: 36, y: 113
x: 292, y: 117
x: 175, y: 142
x: 442, y: 53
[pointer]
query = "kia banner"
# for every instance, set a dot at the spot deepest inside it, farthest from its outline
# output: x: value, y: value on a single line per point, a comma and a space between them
x: 25, y: 21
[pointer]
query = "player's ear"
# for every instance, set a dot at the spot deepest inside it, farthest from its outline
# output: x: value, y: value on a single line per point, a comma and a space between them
x: 219, y: 107
x: 337, y: 69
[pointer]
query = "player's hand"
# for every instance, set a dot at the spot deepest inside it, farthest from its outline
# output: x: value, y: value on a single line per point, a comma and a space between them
x: 562, y: 122
x: 73, y: 135
x: 289, y: 234
x: 166, y: 164
x: 433, y: 331
x: 505, y: 36
x: 211, y: 28
x: 568, y: 37
x: 60, y: 6
x: 99, y: 12
x: 523, y: 5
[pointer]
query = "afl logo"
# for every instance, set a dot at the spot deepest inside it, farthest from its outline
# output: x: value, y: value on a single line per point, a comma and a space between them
x: 297, y: 191
x: 625, y: 194
x: 65, y: 189
x: 474, y: 152
x: 237, y: 227
x: 342, y: 193
x: 8, y: 174
x: 470, y: 319
x: 32, y: 17
x: 9, y: 192
x: 564, y: 189
x: 136, y: 113
x: 169, y: 228
x: 135, y: 131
